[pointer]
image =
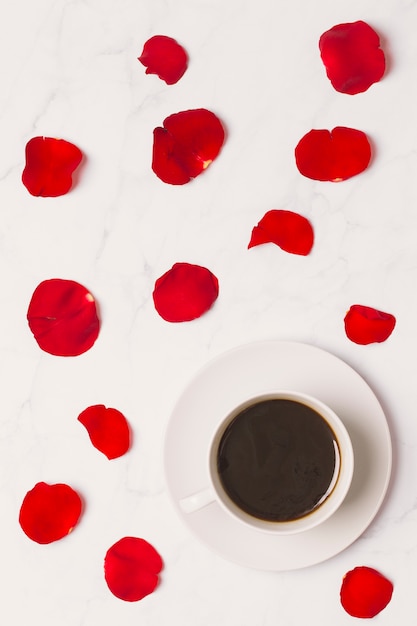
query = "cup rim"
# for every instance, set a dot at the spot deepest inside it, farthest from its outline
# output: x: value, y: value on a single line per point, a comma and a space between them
x: 324, y: 510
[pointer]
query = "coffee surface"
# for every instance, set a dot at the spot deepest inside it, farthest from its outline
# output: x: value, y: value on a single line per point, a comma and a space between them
x: 276, y: 459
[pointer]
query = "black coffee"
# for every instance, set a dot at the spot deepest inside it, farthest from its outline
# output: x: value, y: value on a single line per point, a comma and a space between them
x: 276, y: 459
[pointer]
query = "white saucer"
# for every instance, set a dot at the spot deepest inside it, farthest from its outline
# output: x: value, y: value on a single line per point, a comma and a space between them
x: 251, y: 370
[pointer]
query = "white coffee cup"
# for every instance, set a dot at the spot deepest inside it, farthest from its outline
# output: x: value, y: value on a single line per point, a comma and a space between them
x: 329, y: 501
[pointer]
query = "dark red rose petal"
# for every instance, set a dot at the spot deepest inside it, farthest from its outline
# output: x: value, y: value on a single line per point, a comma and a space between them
x: 365, y: 592
x: 49, y: 512
x: 333, y: 155
x: 131, y: 568
x: 165, y: 57
x: 62, y: 315
x: 108, y: 430
x: 290, y: 231
x: 186, y: 145
x: 365, y: 325
x: 185, y: 292
x: 49, y: 166
x: 352, y: 56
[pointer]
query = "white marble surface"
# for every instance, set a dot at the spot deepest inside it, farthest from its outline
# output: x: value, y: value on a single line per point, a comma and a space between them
x: 69, y: 69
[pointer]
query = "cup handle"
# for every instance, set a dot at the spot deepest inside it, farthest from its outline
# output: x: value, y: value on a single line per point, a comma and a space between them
x: 197, y: 500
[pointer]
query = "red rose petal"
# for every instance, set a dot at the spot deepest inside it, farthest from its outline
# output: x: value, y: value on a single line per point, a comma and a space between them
x: 165, y: 57
x: 185, y: 292
x: 186, y: 145
x: 62, y: 315
x: 108, y: 430
x: 352, y: 56
x: 365, y: 592
x: 49, y: 512
x: 49, y: 166
x: 333, y: 155
x: 365, y: 325
x: 290, y: 231
x: 131, y: 568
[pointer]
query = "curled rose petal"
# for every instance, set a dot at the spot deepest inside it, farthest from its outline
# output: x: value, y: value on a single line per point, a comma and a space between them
x: 364, y: 325
x: 185, y: 292
x: 333, y: 155
x: 365, y: 592
x: 186, y: 145
x: 131, y: 568
x: 108, y: 430
x: 49, y: 166
x: 352, y: 57
x: 165, y: 57
x: 288, y: 230
x: 62, y: 316
x: 49, y: 512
